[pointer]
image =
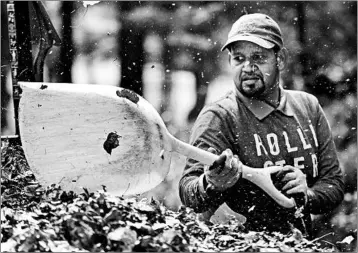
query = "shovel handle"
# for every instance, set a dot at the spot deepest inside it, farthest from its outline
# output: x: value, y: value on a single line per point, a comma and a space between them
x: 260, y: 177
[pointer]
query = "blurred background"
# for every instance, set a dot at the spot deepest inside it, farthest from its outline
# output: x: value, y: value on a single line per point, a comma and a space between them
x: 169, y: 52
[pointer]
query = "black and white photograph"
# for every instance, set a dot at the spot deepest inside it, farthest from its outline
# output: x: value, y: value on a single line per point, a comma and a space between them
x: 179, y: 126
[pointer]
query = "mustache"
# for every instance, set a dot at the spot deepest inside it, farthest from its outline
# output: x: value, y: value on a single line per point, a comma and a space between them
x: 248, y: 77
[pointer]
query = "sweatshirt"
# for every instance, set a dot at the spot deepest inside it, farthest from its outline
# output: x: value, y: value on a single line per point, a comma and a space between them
x: 296, y: 133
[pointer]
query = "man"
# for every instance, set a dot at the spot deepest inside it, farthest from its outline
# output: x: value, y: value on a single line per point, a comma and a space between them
x: 263, y: 125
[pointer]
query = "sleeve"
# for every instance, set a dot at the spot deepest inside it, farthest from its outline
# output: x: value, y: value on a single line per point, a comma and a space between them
x: 328, y: 191
x: 208, y: 131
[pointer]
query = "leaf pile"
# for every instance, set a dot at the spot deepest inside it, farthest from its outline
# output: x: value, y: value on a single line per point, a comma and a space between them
x: 51, y: 220
x: 19, y: 187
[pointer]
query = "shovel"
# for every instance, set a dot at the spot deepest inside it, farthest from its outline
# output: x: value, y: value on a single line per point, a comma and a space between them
x: 81, y: 135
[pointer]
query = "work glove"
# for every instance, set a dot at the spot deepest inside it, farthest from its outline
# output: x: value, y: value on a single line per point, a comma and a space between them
x: 224, y: 172
x: 292, y: 182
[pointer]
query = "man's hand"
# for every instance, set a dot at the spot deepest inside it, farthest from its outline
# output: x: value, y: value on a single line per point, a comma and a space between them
x: 225, y: 171
x: 296, y: 184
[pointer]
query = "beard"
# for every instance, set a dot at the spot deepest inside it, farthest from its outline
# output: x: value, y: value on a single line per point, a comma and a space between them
x: 253, y: 85
x: 251, y: 88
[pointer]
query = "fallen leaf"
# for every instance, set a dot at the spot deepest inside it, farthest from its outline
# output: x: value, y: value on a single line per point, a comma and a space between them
x: 125, y: 235
x: 348, y: 239
x: 226, y: 238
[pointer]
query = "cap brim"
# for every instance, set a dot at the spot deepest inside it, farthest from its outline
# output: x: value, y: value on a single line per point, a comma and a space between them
x: 261, y: 42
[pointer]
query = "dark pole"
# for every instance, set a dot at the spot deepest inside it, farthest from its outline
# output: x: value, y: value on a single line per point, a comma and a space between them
x: 5, y: 69
x: 24, y: 47
x: 302, y: 37
x: 67, y: 50
x: 131, y: 52
x: 20, y: 53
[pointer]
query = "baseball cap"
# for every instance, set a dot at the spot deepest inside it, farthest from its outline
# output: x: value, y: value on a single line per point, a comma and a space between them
x: 257, y: 28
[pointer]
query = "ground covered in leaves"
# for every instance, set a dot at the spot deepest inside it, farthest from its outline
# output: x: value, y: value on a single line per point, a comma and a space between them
x: 47, y: 219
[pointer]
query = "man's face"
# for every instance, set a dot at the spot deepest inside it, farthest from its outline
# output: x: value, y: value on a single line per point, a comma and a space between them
x: 255, y: 69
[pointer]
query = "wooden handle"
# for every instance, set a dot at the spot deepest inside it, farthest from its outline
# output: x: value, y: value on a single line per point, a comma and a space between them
x: 192, y: 152
x: 260, y: 177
